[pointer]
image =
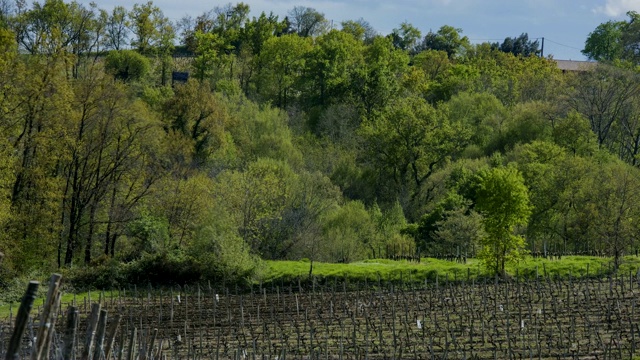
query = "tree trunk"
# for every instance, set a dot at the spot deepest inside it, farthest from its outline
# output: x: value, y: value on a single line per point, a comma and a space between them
x: 88, y: 248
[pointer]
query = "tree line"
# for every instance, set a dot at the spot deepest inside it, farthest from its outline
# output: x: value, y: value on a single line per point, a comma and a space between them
x: 296, y: 139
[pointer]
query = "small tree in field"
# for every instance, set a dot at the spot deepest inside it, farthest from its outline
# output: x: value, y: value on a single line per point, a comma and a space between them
x: 503, y: 200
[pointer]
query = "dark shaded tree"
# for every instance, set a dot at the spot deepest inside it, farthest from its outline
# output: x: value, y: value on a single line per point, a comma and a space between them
x: 520, y: 46
x: 307, y: 22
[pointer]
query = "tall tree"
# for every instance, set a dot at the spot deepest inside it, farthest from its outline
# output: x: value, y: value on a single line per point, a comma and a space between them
x: 520, y: 45
x: 605, y: 97
x: 330, y: 67
x: 199, y: 116
x: 308, y: 22
x: 283, y: 61
x: 105, y: 136
x: 53, y: 27
x: 360, y: 29
x: 631, y: 38
x: 38, y: 130
x: 406, y: 37
x: 406, y: 144
x: 614, y: 208
x: 447, y: 39
x: 605, y: 42
x: 149, y: 27
x: 257, y: 199
x: 117, y: 31
x: 378, y: 81
x: 503, y: 200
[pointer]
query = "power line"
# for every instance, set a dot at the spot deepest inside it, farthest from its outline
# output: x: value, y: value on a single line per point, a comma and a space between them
x: 567, y: 46
x: 486, y: 39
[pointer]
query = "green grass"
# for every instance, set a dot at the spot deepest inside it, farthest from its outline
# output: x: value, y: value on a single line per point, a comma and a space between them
x: 66, y: 298
x: 371, y: 270
x: 429, y: 269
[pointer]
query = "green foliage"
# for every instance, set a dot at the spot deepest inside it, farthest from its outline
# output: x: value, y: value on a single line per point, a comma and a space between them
x: 406, y: 37
x: 347, y: 232
x: 389, y: 238
x: 256, y: 200
x: 263, y: 132
x: 574, y: 133
x: 520, y: 46
x: 159, y: 269
x: 615, y: 41
x: 151, y: 234
x: 526, y: 123
x: 127, y: 65
x: 605, y: 42
x: 482, y: 112
x: 460, y: 229
x: 292, y: 140
x: 202, y: 119
x: 211, y: 55
x: 608, y: 98
x: 447, y: 39
x: 283, y: 59
x: 360, y: 29
x: 407, y: 143
x: 258, y: 31
x: 377, y: 82
x: 153, y: 31
x: 329, y: 68
x: 503, y: 200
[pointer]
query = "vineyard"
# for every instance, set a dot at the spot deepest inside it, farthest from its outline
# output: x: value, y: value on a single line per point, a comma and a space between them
x: 537, y: 319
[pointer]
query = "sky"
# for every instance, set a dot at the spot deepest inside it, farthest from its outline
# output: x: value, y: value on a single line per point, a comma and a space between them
x: 565, y: 24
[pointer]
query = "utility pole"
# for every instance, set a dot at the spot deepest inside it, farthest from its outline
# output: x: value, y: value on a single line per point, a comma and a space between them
x: 542, y: 48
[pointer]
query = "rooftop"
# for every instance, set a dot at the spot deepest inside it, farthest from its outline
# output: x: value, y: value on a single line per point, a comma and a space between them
x: 574, y: 65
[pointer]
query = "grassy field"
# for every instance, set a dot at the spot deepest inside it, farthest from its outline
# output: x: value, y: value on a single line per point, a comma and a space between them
x: 66, y: 298
x: 430, y: 269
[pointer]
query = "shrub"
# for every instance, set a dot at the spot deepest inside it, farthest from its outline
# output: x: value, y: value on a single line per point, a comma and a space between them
x: 158, y: 269
x: 127, y: 65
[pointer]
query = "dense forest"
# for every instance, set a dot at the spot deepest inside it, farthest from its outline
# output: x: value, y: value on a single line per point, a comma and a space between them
x: 296, y: 138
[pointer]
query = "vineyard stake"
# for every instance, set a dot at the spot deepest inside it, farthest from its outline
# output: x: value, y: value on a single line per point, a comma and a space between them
x: 98, y: 352
x: 70, y: 333
x: 13, y: 351
x: 91, y: 330
x: 111, y: 335
x: 47, y: 317
x: 132, y: 344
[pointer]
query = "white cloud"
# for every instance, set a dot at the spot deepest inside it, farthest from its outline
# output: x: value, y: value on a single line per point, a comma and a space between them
x: 617, y: 8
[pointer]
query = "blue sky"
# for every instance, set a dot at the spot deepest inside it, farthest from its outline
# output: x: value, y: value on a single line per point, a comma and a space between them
x: 565, y: 24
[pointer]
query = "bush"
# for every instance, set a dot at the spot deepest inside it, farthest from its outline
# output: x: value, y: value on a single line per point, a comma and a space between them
x: 160, y: 269
x: 164, y: 269
x: 13, y: 285
x: 110, y: 274
x: 127, y: 65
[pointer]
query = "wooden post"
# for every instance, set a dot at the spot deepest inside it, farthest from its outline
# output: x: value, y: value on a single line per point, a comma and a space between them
x: 13, y: 352
x: 132, y: 344
x: 149, y: 353
x: 111, y: 335
x: 52, y: 330
x: 70, y: 331
x: 46, y: 320
x: 91, y: 331
x: 98, y: 352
